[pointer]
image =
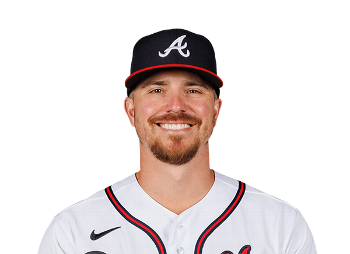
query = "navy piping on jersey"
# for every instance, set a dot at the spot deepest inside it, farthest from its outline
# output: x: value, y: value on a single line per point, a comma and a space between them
x: 144, y: 227
x: 141, y: 225
x: 155, y: 237
x: 216, y: 223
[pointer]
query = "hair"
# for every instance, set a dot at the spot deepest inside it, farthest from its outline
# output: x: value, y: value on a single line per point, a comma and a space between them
x: 131, y: 95
x: 211, y: 86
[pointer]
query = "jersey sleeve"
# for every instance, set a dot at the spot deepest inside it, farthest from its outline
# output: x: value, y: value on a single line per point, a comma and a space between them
x: 56, y: 240
x: 300, y: 240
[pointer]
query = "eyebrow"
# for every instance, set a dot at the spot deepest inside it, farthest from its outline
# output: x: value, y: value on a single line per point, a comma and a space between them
x: 162, y: 83
x: 193, y: 83
x: 152, y: 82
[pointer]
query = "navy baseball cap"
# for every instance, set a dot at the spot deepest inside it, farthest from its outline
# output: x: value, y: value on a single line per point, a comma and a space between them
x: 174, y: 48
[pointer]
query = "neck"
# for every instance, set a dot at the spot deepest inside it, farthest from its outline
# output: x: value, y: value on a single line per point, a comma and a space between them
x: 177, y: 188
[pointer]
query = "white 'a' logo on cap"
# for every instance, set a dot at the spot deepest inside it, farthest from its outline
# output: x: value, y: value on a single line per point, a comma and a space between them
x: 179, y: 47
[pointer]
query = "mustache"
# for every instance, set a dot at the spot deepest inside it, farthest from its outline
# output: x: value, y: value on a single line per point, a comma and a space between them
x: 179, y: 117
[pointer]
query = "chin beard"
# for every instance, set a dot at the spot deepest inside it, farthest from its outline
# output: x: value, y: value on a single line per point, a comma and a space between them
x: 175, y: 155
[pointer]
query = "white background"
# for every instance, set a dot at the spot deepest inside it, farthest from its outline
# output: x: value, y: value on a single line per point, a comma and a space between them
x: 19, y: 21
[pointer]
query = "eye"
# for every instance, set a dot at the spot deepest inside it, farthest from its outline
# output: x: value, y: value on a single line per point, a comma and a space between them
x: 193, y: 91
x: 157, y: 90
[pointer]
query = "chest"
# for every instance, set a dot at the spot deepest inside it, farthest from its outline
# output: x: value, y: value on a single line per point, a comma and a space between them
x: 188, y: 234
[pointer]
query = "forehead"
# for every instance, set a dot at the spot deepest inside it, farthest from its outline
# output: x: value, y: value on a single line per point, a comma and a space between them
x: 173, y: 75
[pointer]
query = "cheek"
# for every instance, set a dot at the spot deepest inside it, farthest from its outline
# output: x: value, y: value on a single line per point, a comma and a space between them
x: 206, y: 112
x: 145, y: 110
x: 203, y: 110
x: 148, y: 111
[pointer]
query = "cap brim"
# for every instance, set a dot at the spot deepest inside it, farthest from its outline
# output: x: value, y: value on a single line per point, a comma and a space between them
x: 137, y: 76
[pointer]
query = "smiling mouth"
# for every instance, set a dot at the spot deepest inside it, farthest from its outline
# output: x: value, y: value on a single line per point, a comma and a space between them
x: 170, y: 126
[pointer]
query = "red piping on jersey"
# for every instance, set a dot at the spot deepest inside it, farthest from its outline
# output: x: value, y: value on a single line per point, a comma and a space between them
x: 222, y: 217
x: 199, y: 246
x: 135, y: 221
x: 122, y: 210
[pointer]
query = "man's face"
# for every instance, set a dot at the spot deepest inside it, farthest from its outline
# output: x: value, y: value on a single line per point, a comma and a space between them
x: 174, y: 113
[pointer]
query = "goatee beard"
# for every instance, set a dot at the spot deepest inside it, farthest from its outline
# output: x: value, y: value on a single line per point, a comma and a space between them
x: 176, y: 155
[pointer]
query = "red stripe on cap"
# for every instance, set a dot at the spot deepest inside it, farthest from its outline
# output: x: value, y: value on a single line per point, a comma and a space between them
x: 230, y: 82
x: 173, y: 65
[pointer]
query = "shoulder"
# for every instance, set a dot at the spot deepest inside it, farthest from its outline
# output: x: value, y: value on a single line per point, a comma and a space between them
x: 269, y: 219
x: 258, y: 202
x: 73, y: 225
x: 92, y: 207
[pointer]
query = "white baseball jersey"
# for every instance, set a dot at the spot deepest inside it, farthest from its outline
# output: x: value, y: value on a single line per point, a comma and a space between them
x: 231, y: 218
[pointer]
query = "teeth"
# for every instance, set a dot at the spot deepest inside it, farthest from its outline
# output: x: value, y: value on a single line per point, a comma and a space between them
x: 174, y: 126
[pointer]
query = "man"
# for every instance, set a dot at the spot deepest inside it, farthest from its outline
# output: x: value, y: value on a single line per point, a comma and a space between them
x: 175, y: 203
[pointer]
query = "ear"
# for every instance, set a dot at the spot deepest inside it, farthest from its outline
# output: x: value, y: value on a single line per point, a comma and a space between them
x: 217, y: 107
x: 130, y: 110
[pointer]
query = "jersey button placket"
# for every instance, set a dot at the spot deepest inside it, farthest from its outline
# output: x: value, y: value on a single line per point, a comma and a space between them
x: 177, y: 241
x: 180, y: 250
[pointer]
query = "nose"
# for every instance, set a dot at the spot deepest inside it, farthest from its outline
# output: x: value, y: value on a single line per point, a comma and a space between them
x: 176, y: 102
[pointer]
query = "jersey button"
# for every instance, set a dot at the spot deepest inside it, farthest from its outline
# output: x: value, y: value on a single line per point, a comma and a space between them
x: 180, y: 250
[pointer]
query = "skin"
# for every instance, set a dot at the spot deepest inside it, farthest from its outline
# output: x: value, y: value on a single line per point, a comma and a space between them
x: 174, y: 97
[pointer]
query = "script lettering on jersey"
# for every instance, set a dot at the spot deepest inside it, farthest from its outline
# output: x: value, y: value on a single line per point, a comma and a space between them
x: 244, y: 250
x: 177, y: 44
